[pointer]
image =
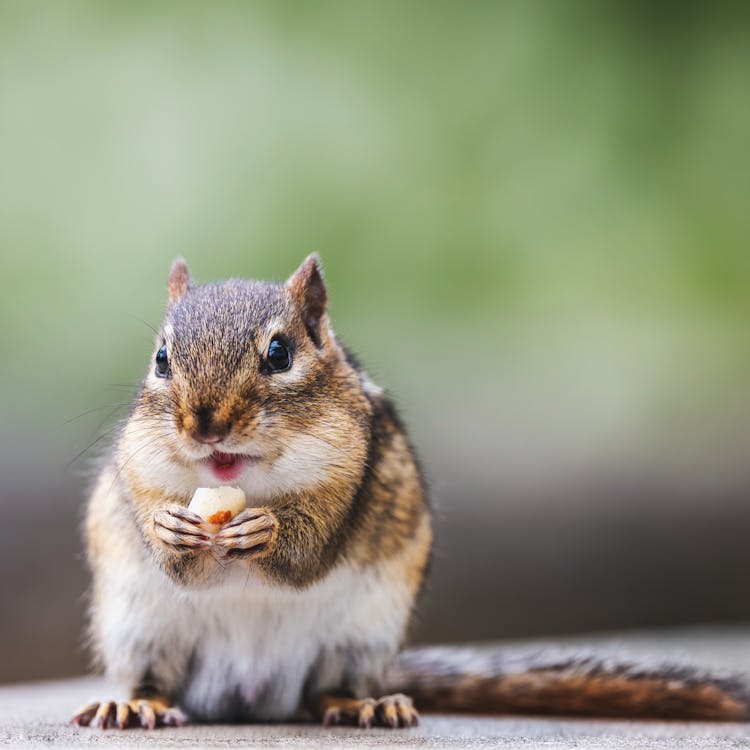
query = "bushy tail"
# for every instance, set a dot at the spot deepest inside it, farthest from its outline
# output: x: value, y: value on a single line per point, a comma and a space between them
x: 479, y: 680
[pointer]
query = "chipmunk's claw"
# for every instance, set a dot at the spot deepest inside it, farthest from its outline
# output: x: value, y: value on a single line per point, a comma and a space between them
x: 331, y: 717
x: 137, y: 713
x: 396, y: 710
x: 83, y: 716
x: 181, y: 530
x: 366, y: 713
x: 252, y: 533
x: 391, y: 711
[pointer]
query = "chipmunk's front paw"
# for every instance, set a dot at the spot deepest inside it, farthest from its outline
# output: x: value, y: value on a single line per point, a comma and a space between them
x: 252, y: 532
x: 137, y: 713
x: 390, y: 711
x: 181, y: 530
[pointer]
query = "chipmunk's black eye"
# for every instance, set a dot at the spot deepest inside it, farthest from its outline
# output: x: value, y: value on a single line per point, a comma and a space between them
x: 162, y: 363
x: 278, y: 357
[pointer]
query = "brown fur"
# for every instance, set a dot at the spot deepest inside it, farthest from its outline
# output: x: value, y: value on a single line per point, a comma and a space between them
x: 367, y: 510
x: 373, y: 499
x: 179, y: 280
x: 487, y: 681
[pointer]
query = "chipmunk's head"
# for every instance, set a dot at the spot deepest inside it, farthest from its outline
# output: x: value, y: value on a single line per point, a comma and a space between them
x: 248, y: 384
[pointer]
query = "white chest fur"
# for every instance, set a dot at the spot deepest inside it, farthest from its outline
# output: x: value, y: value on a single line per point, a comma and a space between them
x: 243, y: 649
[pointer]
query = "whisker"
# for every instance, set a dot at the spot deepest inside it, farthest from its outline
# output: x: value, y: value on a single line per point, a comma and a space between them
x: 145, y: 323
x: 86, y: 449
x: 147, y: 444
x: 120, y: 424
x: 91, y: 411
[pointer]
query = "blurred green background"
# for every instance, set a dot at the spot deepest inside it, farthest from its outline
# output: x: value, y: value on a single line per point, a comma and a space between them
x: 533, y: 218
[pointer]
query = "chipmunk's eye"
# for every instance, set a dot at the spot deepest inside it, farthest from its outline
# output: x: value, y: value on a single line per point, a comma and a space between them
x: 162, y: 363
x: 278, y: 357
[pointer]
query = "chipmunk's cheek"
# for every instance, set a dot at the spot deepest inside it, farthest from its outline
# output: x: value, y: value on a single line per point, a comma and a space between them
x: 305, y: 461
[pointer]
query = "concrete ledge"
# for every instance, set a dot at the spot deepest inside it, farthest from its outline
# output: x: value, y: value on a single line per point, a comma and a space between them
x: 36, y: 715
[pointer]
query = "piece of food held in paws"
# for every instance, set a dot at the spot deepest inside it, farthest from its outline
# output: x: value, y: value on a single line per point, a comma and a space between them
x: 217, y: 505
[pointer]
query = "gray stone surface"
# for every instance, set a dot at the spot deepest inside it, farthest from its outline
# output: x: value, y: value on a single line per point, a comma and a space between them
x: 36, y: 714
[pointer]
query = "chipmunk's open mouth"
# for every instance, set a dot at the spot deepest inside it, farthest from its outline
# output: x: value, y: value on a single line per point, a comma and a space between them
x: 228, y: 466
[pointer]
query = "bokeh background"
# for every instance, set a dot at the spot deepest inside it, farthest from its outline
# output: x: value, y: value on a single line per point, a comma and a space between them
x: 534, y: 221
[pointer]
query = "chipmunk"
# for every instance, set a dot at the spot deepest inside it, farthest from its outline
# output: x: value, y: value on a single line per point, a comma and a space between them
x: 299, y: 605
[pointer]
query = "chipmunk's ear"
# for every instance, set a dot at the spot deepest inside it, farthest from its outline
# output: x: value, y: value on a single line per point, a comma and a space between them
x: 179, y: 280
x: 309, y: 292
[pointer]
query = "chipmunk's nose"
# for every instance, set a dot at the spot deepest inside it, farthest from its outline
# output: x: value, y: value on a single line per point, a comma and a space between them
x: 209, y: 439
x: 206, y: 428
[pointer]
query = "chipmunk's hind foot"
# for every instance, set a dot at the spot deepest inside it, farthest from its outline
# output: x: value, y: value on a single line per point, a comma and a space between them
x: 391, y: 711
x: 139, y: 713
